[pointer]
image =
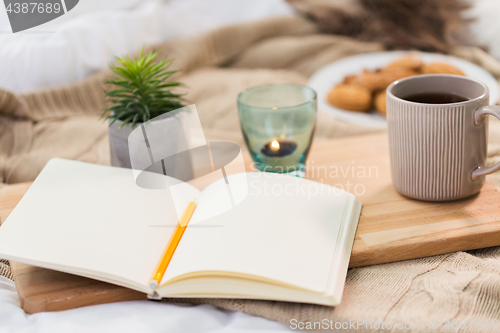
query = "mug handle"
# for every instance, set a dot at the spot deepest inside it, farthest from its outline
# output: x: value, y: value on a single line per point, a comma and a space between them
x: 479, y: 116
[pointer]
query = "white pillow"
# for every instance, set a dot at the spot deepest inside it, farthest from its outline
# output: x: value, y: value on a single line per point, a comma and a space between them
x: 69, y: 49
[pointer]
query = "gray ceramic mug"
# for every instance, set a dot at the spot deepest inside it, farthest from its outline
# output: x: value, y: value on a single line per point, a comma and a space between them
x: 438, y: 151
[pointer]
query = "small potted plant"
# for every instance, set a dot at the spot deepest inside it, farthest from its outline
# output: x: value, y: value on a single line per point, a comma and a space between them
x: 141, y: 93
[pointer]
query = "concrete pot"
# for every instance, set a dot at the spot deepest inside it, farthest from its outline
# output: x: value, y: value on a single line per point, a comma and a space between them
x: 167, y: 135
x: 118, y: 144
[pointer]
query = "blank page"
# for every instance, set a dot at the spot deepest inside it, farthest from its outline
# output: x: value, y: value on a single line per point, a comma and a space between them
x: 286, y: 230
x: 91, y: 220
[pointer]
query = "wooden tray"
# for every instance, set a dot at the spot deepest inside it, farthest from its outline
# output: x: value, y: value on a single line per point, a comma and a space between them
x: 391, y: 227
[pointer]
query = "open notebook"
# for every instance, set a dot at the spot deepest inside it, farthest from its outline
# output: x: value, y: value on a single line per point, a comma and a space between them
x: 94, y: 221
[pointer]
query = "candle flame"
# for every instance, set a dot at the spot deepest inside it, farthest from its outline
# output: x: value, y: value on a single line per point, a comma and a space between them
x: 275, y: 145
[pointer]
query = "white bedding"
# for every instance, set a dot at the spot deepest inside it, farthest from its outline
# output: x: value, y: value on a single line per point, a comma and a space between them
x: 133, y: 317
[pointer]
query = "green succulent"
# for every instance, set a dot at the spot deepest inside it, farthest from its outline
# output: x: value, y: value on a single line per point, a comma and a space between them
x: 142, y: 91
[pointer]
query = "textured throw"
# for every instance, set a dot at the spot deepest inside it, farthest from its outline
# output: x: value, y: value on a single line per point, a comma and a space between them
x: 5, y: 269
x: 64, y: 122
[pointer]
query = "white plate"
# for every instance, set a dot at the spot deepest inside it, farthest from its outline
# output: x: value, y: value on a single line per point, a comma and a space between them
x: 323, y: 80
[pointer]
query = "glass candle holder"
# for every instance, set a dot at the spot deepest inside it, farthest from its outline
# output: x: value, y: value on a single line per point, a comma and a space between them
x: 278, y: 123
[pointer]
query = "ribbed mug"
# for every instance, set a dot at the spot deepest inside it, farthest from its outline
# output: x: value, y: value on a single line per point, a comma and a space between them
x: 438, y: 151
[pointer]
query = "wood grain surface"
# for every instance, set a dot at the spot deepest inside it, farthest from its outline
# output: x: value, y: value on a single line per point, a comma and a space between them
x: 392, y: 227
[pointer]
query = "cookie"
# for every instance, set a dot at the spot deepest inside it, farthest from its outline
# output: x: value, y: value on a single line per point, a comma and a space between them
x: 369, y: 80
x: 350, y: 78
x: 380, y: 102
x: 350, y: 97
x: 441, y: 68
x: 379, y: 80
x: 408, y: 62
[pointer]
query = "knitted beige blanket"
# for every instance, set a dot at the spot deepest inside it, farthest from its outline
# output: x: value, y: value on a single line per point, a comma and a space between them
x: 64, y: 122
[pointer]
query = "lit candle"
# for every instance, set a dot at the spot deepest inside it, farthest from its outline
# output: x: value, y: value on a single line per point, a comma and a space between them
x: 279, y: 148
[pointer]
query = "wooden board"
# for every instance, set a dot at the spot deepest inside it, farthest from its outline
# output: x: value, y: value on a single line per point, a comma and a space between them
x: 391, y: 227
x: 41, y: 290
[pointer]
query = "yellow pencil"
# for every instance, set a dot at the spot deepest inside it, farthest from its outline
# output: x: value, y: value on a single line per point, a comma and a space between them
x: 172, y: 245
